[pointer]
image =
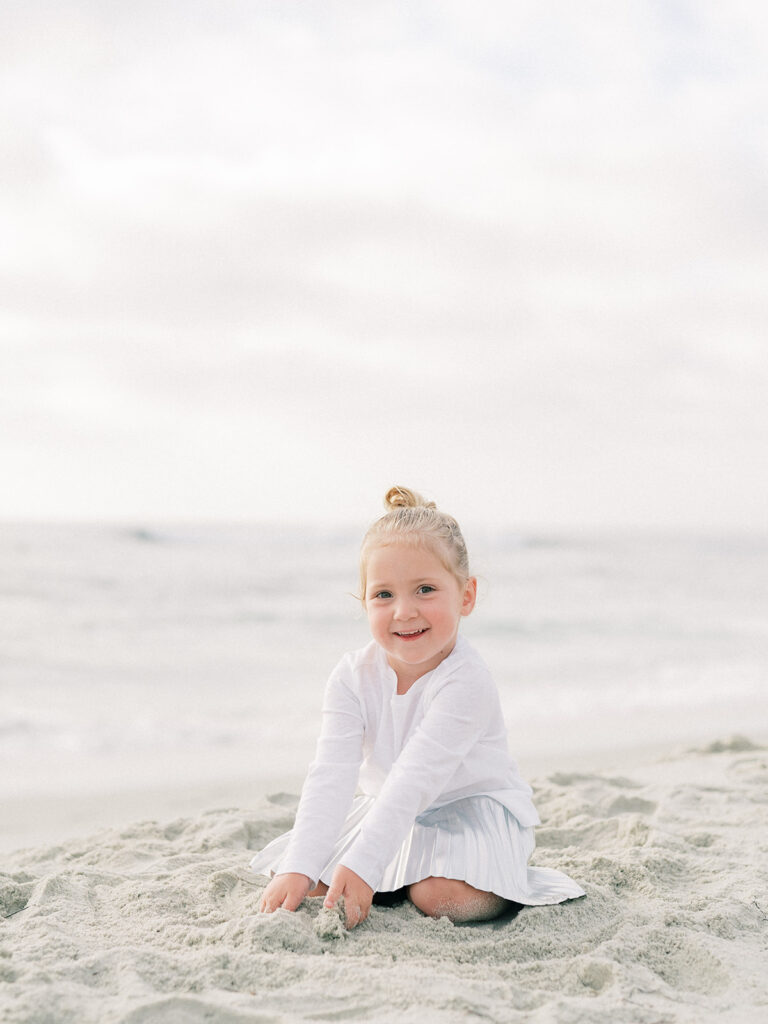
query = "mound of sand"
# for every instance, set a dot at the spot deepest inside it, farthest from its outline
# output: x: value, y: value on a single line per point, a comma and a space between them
x: 159, y: 923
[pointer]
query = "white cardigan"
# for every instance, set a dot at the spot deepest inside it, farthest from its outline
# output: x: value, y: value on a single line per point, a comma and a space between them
x: 441, y: 741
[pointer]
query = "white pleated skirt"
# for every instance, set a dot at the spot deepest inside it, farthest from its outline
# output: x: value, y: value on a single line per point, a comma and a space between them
x: 477, y: 840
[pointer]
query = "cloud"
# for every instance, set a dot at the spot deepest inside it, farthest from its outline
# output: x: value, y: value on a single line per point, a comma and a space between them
x: 427, y: 238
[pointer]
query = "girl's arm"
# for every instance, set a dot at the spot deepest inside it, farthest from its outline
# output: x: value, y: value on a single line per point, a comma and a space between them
x: 330, y: 785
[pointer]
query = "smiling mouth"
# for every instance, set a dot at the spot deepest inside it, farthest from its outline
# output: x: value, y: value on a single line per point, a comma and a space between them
x: 411, y: 634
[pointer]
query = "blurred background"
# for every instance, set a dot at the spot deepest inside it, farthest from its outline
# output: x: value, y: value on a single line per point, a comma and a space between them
x: 259, y: 261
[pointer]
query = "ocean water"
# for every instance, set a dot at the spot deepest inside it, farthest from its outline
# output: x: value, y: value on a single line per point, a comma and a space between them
x: 173, y: 656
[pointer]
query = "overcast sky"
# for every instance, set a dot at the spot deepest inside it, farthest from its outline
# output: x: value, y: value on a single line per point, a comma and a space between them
x: 262, y: 260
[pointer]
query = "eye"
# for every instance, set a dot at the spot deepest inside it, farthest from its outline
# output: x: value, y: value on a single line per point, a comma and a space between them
x: 425, y: 588
x: 383, y: 594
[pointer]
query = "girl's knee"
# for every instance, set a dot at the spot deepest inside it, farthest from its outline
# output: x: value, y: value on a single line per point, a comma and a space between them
x: 454, y: 899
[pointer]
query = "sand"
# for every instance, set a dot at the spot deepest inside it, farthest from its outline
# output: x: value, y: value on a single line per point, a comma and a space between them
x: 158, y: 922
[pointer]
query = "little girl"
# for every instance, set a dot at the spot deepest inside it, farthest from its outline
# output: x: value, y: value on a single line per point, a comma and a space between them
x: 414, y: 720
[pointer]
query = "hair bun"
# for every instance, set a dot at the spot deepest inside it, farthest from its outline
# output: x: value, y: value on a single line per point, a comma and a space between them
x: 403, y: 497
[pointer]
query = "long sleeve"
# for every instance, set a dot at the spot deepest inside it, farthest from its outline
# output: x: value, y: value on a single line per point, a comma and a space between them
x: 456, y: 718
x: 330, y: 784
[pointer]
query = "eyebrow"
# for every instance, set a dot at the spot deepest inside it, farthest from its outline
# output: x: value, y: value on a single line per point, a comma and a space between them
x: 378, y: 585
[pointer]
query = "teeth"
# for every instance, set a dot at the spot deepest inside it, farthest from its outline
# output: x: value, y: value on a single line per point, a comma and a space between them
x: 413, y: 632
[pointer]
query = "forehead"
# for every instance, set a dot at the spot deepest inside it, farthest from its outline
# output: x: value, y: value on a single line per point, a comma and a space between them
x: 403, y: 558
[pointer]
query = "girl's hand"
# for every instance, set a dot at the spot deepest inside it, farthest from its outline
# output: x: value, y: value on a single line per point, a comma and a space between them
x: 357, y: 895
x: 285, y: 891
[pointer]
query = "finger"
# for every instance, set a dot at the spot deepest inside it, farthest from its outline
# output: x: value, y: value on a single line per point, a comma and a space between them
x: 359, y: 912
x: 354, y: 915
x: 270, y: 901
x: 332, y: 896
x: 291, y: 901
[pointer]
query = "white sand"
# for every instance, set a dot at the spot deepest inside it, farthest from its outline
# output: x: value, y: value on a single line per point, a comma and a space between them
x: 158, y: 922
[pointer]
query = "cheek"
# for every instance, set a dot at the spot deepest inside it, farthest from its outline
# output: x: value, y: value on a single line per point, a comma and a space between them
x: 375, y: 620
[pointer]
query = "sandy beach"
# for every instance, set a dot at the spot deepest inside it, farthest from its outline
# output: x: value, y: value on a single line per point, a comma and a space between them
x: 157, y: 921
x: 144, y: 758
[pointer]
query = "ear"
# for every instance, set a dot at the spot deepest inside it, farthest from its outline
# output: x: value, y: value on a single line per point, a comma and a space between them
x: 470, y: 596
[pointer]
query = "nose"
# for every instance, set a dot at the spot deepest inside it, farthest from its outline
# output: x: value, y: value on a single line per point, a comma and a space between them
x: 405, y: 609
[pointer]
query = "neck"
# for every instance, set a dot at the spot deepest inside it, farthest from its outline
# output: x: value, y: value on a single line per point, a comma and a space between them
x: 407, y: 675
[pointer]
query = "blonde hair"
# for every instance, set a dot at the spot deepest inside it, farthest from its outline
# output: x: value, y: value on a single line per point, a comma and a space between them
x: 413, y: 519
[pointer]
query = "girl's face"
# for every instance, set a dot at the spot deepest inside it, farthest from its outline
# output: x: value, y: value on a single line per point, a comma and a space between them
x: 414, y: 606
